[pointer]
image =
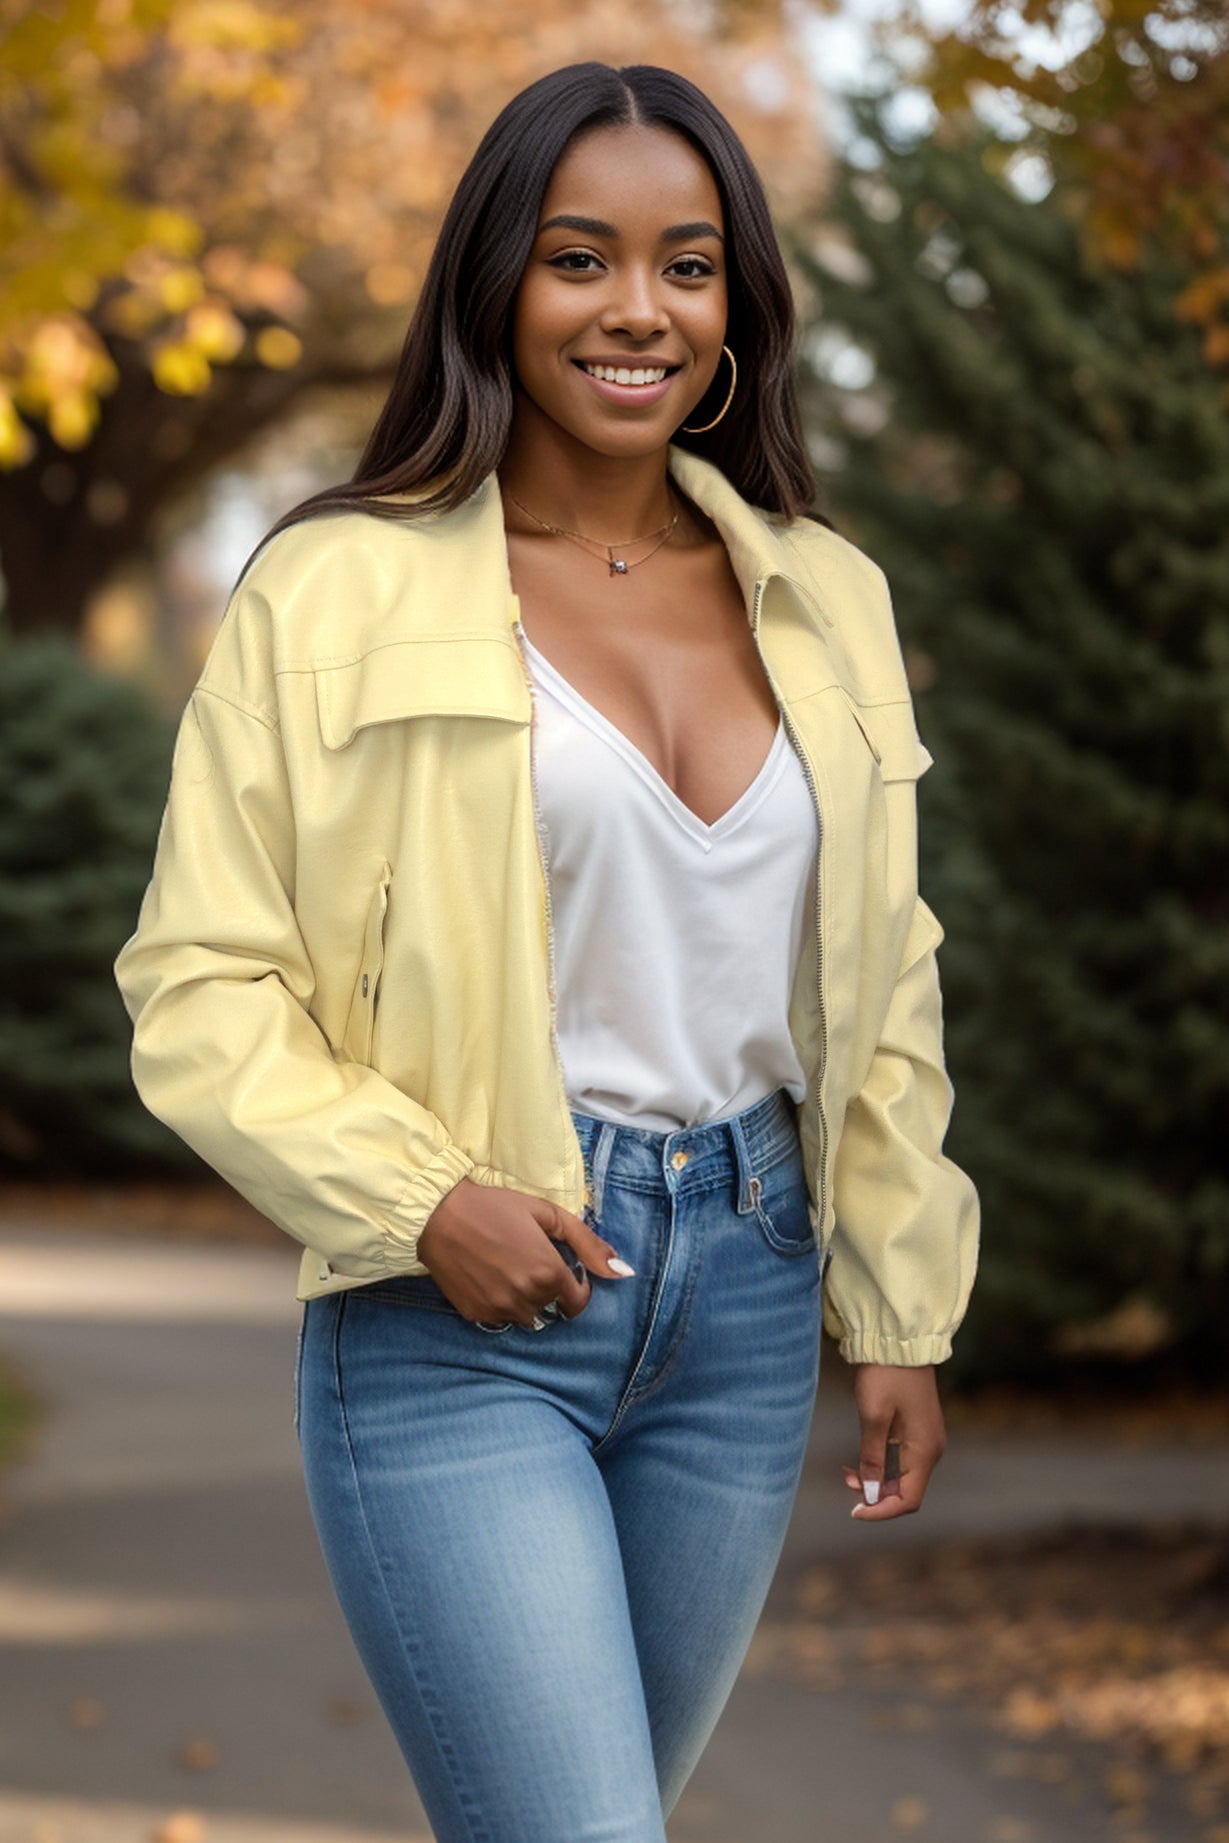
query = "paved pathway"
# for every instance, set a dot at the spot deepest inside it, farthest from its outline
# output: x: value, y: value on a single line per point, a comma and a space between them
x: 169, y: 1643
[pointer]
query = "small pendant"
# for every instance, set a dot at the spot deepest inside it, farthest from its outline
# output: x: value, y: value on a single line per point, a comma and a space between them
x: 618, y: 567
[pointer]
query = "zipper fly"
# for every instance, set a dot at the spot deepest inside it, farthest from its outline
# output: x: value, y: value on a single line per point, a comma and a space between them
x: 804, y: 762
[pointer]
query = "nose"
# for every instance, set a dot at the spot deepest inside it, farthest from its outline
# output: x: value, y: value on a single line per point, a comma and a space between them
x: 636, y: 307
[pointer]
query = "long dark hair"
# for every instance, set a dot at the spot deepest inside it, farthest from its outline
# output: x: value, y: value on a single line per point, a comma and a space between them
x: 446, y: 421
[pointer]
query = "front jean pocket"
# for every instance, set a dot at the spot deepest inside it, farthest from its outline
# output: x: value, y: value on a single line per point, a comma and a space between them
x: 782, y: 1208
x: 418, y: 1289
x: 421, y: 1290
x: 424, y: 1291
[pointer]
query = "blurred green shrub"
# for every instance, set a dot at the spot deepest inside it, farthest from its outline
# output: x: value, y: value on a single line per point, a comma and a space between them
x: 84, y: 769
x: 1038, y: 457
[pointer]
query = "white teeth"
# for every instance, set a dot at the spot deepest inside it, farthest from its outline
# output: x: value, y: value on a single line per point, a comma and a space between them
x: 621, y: 375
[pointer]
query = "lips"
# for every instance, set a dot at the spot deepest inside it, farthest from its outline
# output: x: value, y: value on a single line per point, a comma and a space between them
x: 628, y: 385
x: 635, y: 375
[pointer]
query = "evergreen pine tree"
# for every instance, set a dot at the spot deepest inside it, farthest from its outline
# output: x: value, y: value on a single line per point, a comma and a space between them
x: 84, y: 765
x: 1041, y: 466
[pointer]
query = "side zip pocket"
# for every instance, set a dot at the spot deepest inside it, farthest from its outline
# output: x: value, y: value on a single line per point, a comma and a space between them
x: 361, y: 1033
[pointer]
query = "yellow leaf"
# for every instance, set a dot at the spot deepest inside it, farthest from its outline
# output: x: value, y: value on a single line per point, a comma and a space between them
x: 172, y: 230
x: 179, y: 288
x: 72, y: 418
x: 80, y: 288
x: 215, y: 332
x: 16, y: 441
x: 278, y: 348
x: 224, y: 24
x: 181, y: 370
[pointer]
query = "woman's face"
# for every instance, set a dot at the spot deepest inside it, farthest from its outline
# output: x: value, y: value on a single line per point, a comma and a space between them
x: 627, y: 271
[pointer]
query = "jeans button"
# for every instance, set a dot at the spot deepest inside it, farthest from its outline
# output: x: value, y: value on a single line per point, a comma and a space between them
x: 679, y: 1160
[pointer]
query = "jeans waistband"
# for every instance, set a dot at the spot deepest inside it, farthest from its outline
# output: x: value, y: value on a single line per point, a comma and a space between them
x: 737, y: 1150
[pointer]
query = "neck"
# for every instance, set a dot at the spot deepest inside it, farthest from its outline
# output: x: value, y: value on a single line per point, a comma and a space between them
x: 565, y: 483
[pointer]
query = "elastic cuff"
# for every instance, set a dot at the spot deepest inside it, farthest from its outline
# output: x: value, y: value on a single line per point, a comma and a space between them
x: 908, y: 1353
x: 425, y: 1189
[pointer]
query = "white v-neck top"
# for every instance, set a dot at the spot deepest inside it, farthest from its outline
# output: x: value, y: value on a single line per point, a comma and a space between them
x: 676, y: 942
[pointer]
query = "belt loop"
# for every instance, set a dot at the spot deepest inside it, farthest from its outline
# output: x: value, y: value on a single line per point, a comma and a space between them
x: 748, y: 1183
x: 603, y: 1145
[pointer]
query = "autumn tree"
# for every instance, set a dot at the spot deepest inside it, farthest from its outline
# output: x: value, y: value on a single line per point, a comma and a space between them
x: 1125, y: 101
x: 208, y: 212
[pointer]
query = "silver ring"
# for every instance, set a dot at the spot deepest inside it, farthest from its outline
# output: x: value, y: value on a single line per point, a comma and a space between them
x: 539, y: 1323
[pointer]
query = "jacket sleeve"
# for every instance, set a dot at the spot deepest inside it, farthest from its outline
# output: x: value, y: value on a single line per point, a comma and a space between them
x: 217, y: 982
x: 907, y: 1219
x: 904, y: 1243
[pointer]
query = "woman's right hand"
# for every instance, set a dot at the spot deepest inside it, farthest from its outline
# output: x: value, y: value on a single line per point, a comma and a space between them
x: 489, y: 1251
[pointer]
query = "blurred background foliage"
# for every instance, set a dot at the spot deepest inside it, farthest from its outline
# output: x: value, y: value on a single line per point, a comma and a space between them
x: 84, y: 763
x: 1015, y: 361
x: 1129, y: 98
x: 212, y: 210
x: 1042, y: 468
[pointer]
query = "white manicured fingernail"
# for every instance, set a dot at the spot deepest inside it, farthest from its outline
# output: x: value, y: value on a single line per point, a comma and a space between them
x: 870, y: 1490
x: 617, y: 1266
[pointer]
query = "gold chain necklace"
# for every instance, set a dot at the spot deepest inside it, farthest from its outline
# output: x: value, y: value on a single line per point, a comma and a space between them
x: 618, y: 565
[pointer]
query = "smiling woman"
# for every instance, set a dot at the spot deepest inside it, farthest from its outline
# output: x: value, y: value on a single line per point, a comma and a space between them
x: 534, y: 935
x: 638, y: 310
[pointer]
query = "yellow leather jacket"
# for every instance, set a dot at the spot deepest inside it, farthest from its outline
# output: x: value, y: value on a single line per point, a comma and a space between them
x: 341, y: 979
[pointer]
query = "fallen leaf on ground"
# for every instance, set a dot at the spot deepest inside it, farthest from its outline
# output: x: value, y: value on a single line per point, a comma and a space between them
x: 908, y: 1814
x: 180, y: 1827
x: 198, y: 1756
x: 1113, y: 1636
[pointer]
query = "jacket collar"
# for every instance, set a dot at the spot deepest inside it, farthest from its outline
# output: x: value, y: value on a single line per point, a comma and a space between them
x: 407, y: 663
x: 756, y: 548
x: 757, y: 551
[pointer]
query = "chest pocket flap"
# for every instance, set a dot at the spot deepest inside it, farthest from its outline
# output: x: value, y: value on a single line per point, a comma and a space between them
x: 891, y: 734
x: 454, y: 675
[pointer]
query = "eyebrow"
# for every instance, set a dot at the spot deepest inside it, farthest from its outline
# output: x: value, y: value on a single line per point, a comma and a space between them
x: 598, y: 227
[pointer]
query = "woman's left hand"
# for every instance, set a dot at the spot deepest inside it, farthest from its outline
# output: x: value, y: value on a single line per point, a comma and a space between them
x: 898, y: 1405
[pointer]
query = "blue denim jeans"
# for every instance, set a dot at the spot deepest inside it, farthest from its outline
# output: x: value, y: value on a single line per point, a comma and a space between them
x: 552, y: 1547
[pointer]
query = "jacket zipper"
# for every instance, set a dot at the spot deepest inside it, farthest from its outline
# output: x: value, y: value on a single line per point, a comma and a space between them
x: 819, y: 931
x: 544, y: 863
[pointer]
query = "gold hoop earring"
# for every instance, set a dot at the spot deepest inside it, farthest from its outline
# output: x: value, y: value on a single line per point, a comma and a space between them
x: 725, y: 406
